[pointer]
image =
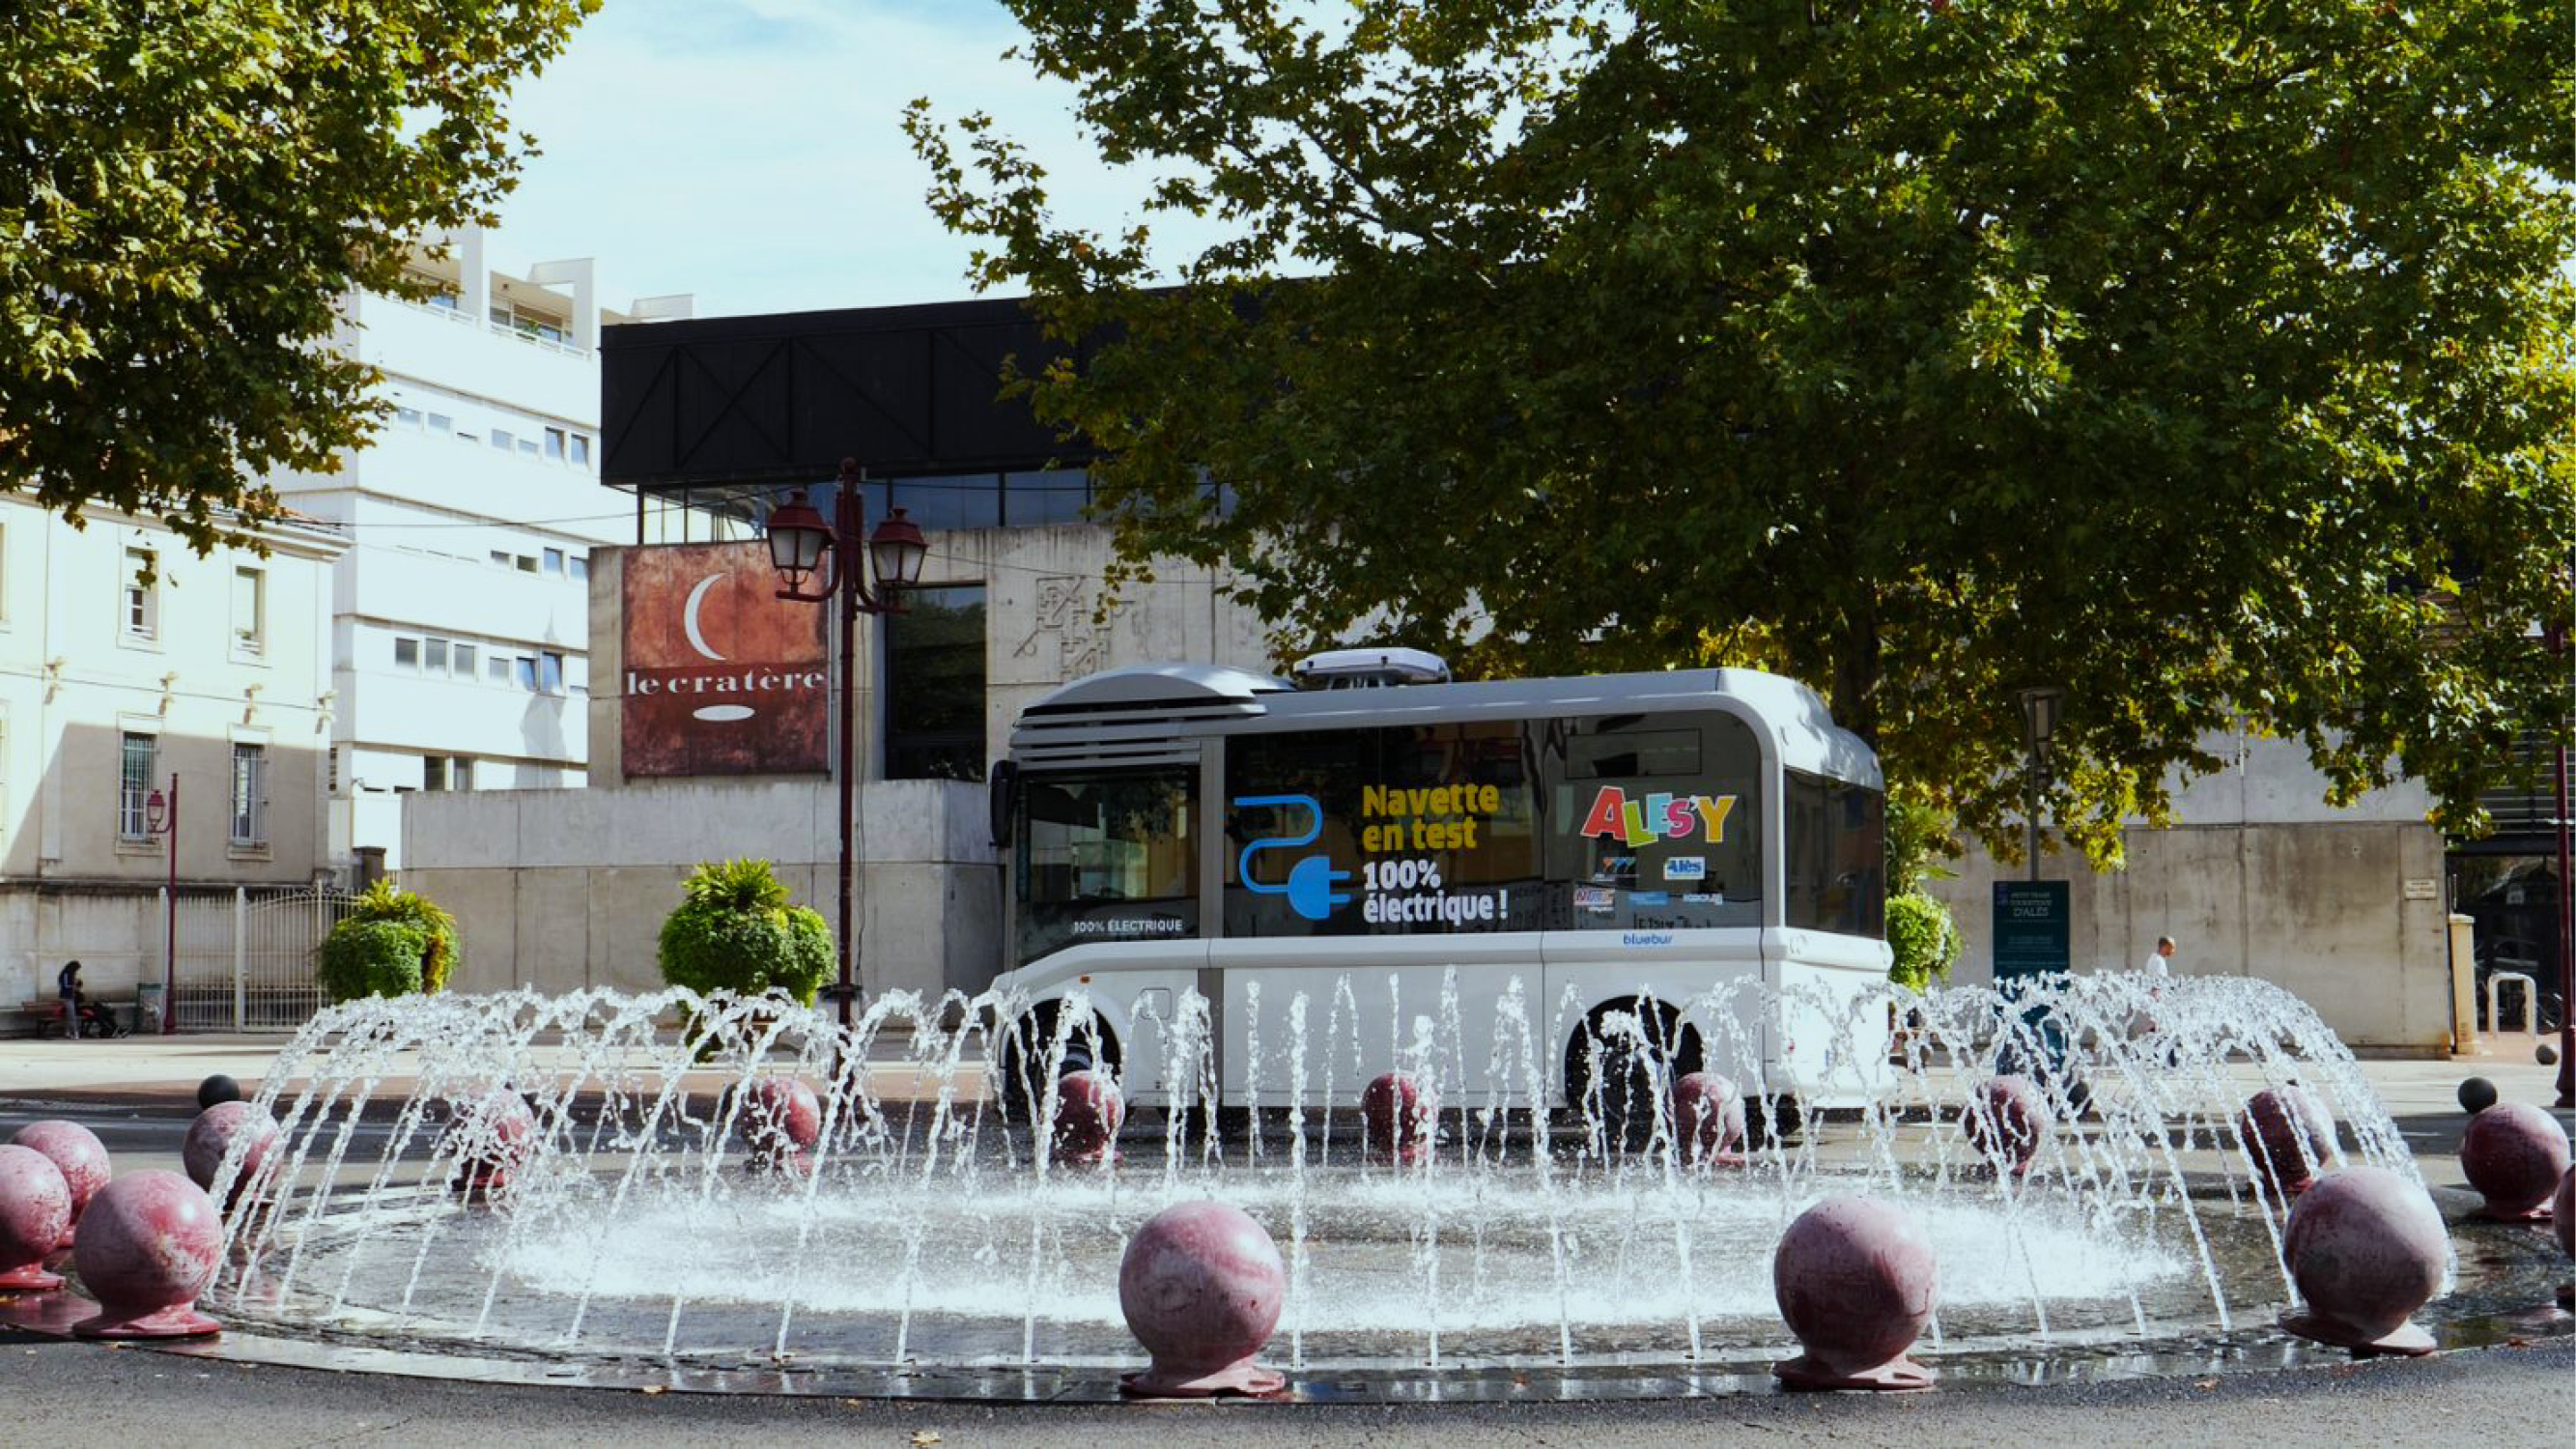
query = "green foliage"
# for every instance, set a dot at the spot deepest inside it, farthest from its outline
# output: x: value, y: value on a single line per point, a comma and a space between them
x: 1923, y: 937
x: 734, y: 885
x: 734, y: 931
x: 443, y: 950
x: 1918, y: 838
x: 2209, y: 363
x: 371, y: 958
x: 185, y: 193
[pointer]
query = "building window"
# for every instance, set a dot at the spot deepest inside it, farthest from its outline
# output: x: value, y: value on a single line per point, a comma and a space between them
x: 441, y: 423
x: 460, y: 772
x: 434, y: 655
x: 433, y: 772
x: 550, y: 673
x: 527, y: 563
x: 527, y: 671
x: 1040, y: 498
x: 250, y: 611
x: 134, y: 787
x: 499, y: 665
x: 554, y: 563
x: 407, y: 418
x: 971, y: 500
x: 465, y: 660
x: 142, y: 599
x: 331, y: 780
x: 580, y: 568
x: 501, y: 557
x: 554, y: 445
x: 250, y: 794
x: 501, y: 439
x: 581, y: 450
x: 935, y: 686
x: 527, y: 447
x: 406, y: 653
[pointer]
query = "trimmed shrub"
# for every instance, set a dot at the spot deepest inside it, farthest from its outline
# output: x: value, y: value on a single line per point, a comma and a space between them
x: 385, y: 901
x: 736, y: 932
x: 371, y: 958
x: 1923, y: 938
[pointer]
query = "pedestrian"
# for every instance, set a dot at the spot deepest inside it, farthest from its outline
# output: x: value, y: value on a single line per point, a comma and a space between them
x: 2159, y: 959
x: 69, y: 984
x: 2146, y: 1027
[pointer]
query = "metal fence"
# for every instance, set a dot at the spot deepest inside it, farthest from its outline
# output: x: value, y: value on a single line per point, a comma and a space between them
x: 245, y: 958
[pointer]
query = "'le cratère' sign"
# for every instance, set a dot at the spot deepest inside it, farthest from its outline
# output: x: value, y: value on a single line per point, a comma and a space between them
x: 721, y: 676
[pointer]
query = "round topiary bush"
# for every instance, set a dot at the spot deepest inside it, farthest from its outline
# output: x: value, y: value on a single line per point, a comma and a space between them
x: 1923, y: 939
x: 444, y: 949
x: 736, y: 932
x: 371, y: 958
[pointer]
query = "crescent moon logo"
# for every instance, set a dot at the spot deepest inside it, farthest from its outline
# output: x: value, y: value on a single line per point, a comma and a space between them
x: 689, y: 616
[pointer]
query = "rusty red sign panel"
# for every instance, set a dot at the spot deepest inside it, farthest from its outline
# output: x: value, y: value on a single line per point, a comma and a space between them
x: 721, y: 676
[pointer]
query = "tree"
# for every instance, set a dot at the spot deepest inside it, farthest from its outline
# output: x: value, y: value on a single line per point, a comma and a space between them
x: 2214, y: 366
x: 185, y: 194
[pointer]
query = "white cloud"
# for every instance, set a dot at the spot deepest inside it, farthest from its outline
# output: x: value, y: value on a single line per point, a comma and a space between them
x: 750, y: 151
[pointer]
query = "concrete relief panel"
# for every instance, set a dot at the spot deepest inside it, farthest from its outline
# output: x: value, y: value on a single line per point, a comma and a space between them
x: 720, y: 676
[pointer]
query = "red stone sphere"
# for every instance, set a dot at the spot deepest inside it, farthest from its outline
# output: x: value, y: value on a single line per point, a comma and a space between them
x: 2367, y: 1248
x: 1201, y: 1285
x: 1398, y: 1118
x: 211, y: 1138
x: 1089, y: 1110
x: 2288, y: 1134
x: 35, y: 1204
x: 77, y: 1153
x: 781, y: 1120
x: 2514, y: 1153
x: 1708, y: 1116
x: 148, y: 1246
x: 2007, y: 1121
x: 1856, y: 1281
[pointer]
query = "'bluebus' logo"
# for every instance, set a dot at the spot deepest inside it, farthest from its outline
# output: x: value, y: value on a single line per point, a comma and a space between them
x: 1309, y: 887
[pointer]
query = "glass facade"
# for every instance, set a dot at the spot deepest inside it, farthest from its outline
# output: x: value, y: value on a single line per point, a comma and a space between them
x: 935, y: 686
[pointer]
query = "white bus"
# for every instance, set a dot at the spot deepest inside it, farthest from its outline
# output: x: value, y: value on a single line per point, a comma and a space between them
x: 1618, y: 843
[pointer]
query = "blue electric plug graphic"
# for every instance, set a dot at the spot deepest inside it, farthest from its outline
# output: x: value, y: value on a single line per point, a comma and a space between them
x: 1309, y: 887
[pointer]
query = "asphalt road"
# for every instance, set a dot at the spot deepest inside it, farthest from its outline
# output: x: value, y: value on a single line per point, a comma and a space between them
x: 60, y: 1393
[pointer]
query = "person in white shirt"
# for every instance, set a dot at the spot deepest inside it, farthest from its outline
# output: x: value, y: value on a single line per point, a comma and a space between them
x: 2155, y: 964
x: 2143, y: 1025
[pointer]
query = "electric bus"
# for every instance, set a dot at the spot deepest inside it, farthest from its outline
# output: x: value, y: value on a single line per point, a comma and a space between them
x: 1415, y: 851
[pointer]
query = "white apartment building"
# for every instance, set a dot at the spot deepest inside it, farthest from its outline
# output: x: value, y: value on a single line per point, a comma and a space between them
x: 217, y: 673
x: 460, y: 628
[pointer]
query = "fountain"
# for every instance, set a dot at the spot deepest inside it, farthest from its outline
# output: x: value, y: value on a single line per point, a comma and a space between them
x: 561, y: 1178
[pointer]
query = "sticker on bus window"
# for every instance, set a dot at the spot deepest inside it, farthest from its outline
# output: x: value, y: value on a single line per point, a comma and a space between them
x: 1686, y: 867
x: 1596, y: 899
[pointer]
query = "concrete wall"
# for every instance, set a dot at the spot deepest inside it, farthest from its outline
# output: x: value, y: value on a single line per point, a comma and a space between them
x: 2259, y: 877
x: 562, y: 889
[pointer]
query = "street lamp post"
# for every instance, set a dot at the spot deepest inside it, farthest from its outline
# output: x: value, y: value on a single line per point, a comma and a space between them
x: 161, y: 817
x: 800, y: 544
x: 2040, y: 705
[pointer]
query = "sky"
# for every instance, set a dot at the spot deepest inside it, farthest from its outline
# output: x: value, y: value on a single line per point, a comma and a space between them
x: 750, y: 152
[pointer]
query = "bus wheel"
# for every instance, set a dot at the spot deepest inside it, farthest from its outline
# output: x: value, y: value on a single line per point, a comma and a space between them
x: 1641, y: 1048
x: 1029, y: 1051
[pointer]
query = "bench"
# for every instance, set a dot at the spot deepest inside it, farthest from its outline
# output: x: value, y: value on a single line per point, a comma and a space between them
x: 37, y: 1015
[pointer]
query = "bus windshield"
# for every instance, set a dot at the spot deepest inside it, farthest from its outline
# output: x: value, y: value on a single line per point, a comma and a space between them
x: 1105, y: 856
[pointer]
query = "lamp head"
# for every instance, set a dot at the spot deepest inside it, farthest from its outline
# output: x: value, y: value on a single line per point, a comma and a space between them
x: 896, y: 551
x: 797, y: 538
